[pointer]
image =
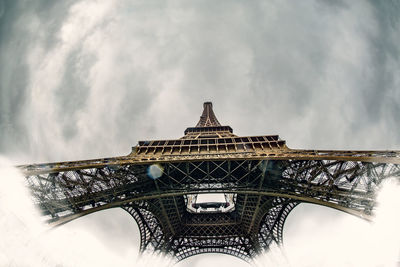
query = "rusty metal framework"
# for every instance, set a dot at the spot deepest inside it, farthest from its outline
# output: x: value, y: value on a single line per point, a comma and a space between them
x: 155, y: 182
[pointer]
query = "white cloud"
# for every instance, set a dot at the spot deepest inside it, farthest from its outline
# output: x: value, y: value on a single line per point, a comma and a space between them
x: 28, y: 242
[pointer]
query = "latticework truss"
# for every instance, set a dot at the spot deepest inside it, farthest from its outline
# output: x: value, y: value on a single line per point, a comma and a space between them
x: 266, y: 179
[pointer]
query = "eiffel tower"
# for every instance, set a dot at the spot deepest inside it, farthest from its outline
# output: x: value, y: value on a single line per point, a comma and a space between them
x: 211, y: 191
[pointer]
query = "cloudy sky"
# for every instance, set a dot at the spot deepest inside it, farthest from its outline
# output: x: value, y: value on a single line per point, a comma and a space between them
x: 88, y: 79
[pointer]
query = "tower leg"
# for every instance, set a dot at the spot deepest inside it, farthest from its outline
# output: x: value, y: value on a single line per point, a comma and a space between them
x: 151, y: 235
x: 271, y: 226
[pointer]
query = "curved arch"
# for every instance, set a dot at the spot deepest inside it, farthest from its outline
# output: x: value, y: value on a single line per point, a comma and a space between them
x: 266, y: 231
x: 216, y: 259
x: 272, y: 223
x: 152, y: 239
x: 151, y: 234
x: 295, y: 198
x: 227, y: 251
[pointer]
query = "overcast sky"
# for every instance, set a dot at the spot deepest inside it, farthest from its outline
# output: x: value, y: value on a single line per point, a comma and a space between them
x: 88, y: 79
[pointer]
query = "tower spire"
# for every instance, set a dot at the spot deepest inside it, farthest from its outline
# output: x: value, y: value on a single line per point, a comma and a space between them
x: 208, y: 125
x: 208, y: 119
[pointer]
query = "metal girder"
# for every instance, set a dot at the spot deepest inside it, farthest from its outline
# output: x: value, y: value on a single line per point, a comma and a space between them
x: 271, y: 154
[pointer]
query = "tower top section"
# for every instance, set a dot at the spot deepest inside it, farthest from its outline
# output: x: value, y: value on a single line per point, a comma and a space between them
x: 208, y: 119
x: 208, y: 138
x: 208, y: 125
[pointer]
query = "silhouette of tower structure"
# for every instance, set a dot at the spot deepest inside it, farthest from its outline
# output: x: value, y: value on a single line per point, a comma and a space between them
x: 211, y: 191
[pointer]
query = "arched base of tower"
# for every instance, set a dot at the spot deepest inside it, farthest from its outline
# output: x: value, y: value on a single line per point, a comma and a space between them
x: 209, y: 239
x: 271, y: 226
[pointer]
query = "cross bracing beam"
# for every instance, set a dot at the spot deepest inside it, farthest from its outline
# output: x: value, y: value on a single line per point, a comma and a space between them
x: 347, y: 184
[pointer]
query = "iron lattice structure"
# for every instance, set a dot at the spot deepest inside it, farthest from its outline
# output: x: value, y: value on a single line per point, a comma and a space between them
x: 261, y: 179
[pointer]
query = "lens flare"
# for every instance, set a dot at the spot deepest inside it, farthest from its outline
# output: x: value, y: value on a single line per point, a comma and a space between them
x: 155, y: 171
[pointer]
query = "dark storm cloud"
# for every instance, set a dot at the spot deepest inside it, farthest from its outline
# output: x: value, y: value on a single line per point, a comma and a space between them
x: 121, y: 66
x: 72, y: 93
x: 18, y: 20
x: 1, y: 9
x: 381, y: 94
x: 12, y: 76
x: 32, y: 39
x: 304, y: 73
